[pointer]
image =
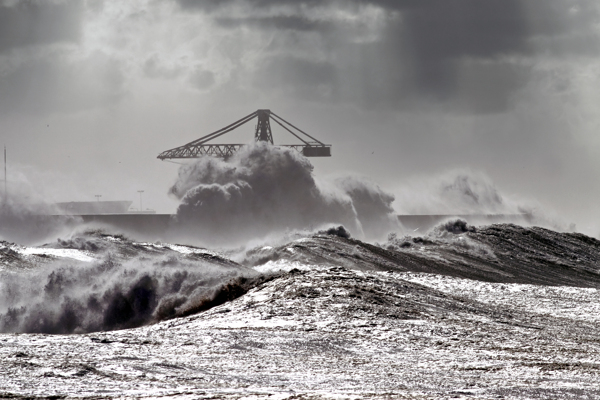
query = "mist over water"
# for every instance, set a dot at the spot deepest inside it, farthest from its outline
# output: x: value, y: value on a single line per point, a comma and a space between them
x: 463, y: 192
x: 25, y: 216
x: 454, y: 192
x: 264, y: 190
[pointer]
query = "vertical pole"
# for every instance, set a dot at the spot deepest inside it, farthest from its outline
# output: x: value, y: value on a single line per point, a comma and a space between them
x: 140, y: 192
x: 5, y: 179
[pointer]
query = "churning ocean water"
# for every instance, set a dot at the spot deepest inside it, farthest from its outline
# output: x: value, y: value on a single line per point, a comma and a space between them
x: 499, y: 311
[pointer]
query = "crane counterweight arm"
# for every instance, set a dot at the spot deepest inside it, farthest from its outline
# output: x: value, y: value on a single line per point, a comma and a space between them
x: 284, y: 127
x: 298, y: 129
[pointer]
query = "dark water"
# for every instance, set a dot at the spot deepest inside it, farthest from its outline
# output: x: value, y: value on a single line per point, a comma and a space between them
x: 496, y: 253
x: 503, y: 312
x: 130, y: 284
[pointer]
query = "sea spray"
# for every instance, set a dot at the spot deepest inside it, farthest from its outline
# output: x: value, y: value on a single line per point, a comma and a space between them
x: 264, y: 190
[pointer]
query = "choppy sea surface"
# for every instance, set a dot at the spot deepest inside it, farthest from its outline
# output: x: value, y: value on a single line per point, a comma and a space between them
x: 490, y: 312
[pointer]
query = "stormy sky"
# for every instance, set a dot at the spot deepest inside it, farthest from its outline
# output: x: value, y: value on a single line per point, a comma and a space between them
x: 91, y: 91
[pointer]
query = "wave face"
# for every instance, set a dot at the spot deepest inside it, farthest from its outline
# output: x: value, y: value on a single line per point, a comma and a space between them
x: 496, y: 253
x: 122, y: 284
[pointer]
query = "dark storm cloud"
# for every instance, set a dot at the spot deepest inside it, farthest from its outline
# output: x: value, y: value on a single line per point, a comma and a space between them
x: 280, y: 22
x: 443, y: 29
x: 32, y: 22
x: 471, y: 55
x: 439, y: 29
x: 213, y: 5
x: 464, y: 51
x: 438, y: 34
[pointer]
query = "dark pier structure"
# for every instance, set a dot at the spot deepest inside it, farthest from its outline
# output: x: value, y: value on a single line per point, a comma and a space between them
x: 309, y: 146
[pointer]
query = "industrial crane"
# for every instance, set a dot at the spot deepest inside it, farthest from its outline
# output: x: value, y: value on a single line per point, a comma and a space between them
x: 310, y: 146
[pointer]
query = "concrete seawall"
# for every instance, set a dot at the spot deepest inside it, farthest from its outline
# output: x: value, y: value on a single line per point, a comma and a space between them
x: 161, y: 226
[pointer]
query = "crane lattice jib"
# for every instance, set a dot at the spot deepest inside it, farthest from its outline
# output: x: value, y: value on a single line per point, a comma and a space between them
x: 310, y: 146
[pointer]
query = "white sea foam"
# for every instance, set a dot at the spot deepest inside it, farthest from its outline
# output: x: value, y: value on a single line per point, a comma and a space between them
x: 59, y: 253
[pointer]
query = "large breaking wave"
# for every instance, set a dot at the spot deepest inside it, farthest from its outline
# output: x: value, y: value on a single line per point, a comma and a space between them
x: 130, y: 285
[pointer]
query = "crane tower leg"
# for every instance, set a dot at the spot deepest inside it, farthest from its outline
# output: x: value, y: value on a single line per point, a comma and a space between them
x: 263, y: 128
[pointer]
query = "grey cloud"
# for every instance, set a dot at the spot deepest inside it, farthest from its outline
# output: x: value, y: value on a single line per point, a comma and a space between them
x: 438, y: 57
x: 467, y: 55
x: 278, y: 22
x: 53, y: 84
x: 31, y: 22
x: 438, y: 29
x: 213, y: 5
x: 300, y: 76
x: 488, y: 87
x: 200, y: 5
x: 457, y: 52
x: 444, y: 29
x: 154, y: 67
x: 434, y: 35
x: 202, y: 79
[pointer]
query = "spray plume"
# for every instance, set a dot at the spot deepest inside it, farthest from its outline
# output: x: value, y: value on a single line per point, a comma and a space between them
x: 25, y: 215
x: 265, y: 190
x: 466, y: 193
